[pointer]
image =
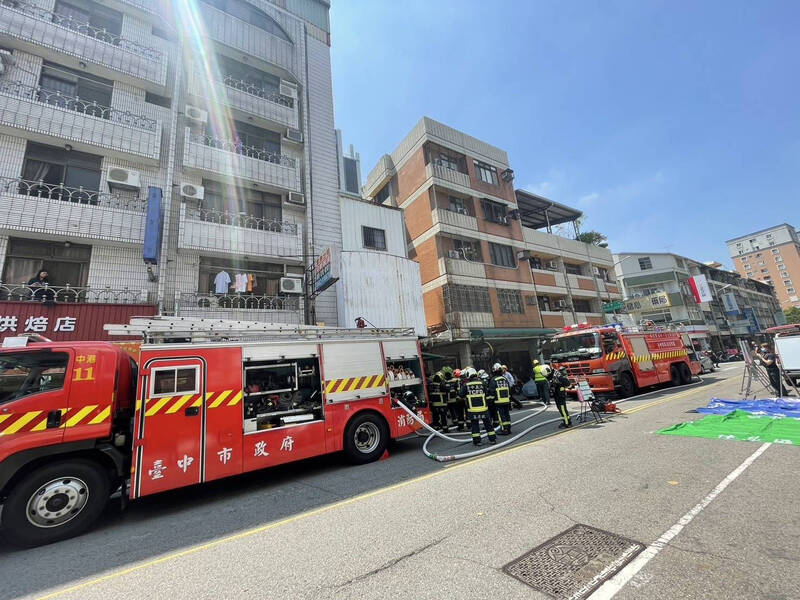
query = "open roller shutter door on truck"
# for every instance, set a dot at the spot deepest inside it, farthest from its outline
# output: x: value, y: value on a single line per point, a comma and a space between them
x: 353, y: 371
x: 396, y: 350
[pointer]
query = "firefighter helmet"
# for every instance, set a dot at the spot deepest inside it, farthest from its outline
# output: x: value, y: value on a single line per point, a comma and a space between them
x: 535, y: 362
x: 448, y: 372
x: 497, y: 367
x: 457, y: 373
x: 469, y: 373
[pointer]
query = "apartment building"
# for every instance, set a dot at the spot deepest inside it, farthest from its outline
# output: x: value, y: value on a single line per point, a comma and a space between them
x: 772, y: 256
x: 656, y: 289
x: 163, y: 159
x: 495, y: 277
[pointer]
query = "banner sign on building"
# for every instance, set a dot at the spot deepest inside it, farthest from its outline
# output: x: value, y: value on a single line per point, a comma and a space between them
x: 752, y: 321
x: 700, y: 289
x: 730, y: 304
x: 649, y: 302
x: 325, y: 272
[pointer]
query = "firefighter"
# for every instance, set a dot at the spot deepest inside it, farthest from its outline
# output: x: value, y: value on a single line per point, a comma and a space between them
x: 484, y: 377
x: 438, y: 392
x: 474, y: 394
x: 498, y: 388
x: 541, y: 374
x: 560, y: 384
x: 454, y: 404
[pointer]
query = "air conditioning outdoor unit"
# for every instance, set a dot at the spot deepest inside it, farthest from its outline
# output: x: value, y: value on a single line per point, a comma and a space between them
x: 296, y: 198
x: 196, y: 114
x: 125, y: 179
x: 291, y: 285
x: 287, y: 88
x: 294, y: 135
x: 561, y: 303
x: 192, y: 191
x: 513, y: 214
x: 453, y: 254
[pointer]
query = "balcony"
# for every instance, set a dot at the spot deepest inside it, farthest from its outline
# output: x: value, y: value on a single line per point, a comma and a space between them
x: 248, y: 99
x: 226, y: 158
x: 240, y: 307
x: 50, y: 117
x: 72, y: 295
x: 468, y: 320
x: 249, y: 40
x: 465, y: 268
x: 454, y: 219
x: 446, y: 174
x: 74, y: 212
x: 51, y: 35
x: 228, y: 233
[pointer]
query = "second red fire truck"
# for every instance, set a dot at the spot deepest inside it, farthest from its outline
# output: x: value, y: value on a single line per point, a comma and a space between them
x: 197, y: 401
x: 616, y: 360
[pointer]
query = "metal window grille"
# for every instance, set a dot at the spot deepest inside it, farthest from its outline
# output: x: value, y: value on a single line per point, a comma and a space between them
x: 510, y: 301
x: 466, y: 298
x: 645, y: 263
x: 486, y: 173
x: 375, y: 239
x: 502, y: 256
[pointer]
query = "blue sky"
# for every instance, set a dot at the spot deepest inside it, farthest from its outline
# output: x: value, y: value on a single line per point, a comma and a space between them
x: 673, y: 125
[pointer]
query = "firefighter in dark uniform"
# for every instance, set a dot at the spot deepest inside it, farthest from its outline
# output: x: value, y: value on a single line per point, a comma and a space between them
x: 498, y: 388
x: 474, y: 394
x: 438, y: 392
x: 455, y: 405
x: 484, y: 377
x: 560, y: 384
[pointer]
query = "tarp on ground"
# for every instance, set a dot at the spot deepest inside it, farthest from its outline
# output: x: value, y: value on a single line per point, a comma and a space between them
x: 772, y: 407
x: 740, y: 425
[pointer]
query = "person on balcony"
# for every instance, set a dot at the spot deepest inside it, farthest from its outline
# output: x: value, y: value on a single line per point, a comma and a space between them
x: 41, y: 285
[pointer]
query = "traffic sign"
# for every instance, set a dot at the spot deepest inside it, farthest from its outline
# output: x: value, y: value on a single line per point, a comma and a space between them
x: 613, y: 306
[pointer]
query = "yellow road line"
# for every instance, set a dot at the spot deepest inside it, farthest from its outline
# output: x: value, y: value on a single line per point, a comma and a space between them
x: 328, y: 507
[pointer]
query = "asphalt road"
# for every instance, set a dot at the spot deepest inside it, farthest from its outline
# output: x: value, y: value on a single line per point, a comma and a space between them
x: 412, y: 526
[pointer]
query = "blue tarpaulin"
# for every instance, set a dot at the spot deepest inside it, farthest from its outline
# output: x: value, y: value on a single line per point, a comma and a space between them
x: 771, y: 407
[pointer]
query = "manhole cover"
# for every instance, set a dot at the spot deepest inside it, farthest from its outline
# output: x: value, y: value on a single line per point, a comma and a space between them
x: 574, y: 563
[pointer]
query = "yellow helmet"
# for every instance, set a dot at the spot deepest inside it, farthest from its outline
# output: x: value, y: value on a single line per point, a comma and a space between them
x: 535, y: 362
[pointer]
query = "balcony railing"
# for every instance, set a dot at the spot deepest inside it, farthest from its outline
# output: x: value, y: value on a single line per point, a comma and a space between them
x: 253, y: 90
x: 243, y: 150
x: 86, y: 107
x: 79, y: 195
x: 198, y: 300
x: 71, y: 294
x: 68, y: 22
x: 246, y: 221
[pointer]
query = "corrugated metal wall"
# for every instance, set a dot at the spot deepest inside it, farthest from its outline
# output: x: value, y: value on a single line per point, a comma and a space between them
x: 356, y: 214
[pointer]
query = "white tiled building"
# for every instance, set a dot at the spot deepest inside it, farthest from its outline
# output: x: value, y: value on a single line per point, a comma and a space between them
x: 225, y: 114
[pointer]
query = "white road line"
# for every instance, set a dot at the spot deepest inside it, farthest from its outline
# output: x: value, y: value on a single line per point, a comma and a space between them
x: 611, y: 587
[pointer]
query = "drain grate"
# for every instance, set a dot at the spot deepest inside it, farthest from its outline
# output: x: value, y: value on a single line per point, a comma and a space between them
x: 574, y: 563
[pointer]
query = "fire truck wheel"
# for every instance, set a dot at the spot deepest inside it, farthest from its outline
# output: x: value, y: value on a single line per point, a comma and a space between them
x: 627, y: 387
x: 365, y: 438
x: 675, y: 375
x: 686, y: 373
x: 55, y: 502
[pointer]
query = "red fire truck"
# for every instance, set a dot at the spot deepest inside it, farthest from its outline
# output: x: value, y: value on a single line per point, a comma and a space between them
x: 196, y: 401
x: 618, y: 360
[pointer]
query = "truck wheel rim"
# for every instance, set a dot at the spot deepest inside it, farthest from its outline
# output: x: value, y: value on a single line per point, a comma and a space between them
x: 367, y: 437
x: 57, y: 502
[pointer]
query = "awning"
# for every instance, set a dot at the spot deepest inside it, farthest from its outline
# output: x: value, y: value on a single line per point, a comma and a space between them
x: 431, y: 356
x: 537, y: 212
x: 510, y: 334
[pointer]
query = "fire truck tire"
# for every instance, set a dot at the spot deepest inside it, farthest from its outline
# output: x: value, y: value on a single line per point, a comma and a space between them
x: 55, y: 502
x: 365, y: 438
x: 627, y: 387
x: 686, y: 373
x: 675, y: 378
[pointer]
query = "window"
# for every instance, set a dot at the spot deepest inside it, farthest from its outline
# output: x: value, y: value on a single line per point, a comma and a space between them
x: 351, y: 182
x: 573, y: 269
x: 776, y: 251
x: 76, y: 14
x: 581, y: 305
x: 781, y: 267
x: 778, y: 259
x: 64, y: 265
x: 758, y: 255
x: 53, y: 166
x: 250, y: 140
x: 787, y: 282
x: 680, y: 263
x: 384, y: 193
x: 744, y: 259
x: 784, y: 274
x: 510, y: 301
x: 60, y: 86
x: 241, y: 207
x: 765, y: 270
x: 466, y: 298
x: 458, y: 205
x: 494, y: 212
x: 26, y: 373
x: 790, y: 290
x: 375, y: 239
x: 250, y: 14
x: 544, y: 303
x: 471, y: 249
x: 749, y: 274
x: 602, y: 273
x: 161, y: 101
x: 486, y: 173
x: 444, y: 157
x: 769, y: 235
x: 502, y: 256
x: 168, y: 381
x: 645, y: 263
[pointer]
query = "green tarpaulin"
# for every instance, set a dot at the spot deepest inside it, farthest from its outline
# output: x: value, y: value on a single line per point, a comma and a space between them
x: 740, y: 425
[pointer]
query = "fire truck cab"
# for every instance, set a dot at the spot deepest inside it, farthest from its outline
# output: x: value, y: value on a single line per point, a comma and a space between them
x: 193, y: 403
x: 618, y: 360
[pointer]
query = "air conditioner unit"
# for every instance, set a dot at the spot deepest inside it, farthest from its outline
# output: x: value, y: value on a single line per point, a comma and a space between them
x: 453, y: 254
x: 462, y: 211
x: 561, y: 304
x: 196, y: 114
x: 291, y: 285
x: 294, y: 135
x: 513, y: 214
x: 296, y: 198
x: 551, y: 264
x: 125, y: 179
x: 192, y: 191
x: 287, y: 88
x: 502, y: 220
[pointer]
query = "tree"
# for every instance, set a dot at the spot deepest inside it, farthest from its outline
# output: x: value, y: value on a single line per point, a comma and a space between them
x: 792, y: 315
x: 591, y: 237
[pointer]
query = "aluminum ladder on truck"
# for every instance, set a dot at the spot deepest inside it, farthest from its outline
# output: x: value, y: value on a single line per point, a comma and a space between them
x: 164, y: 329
